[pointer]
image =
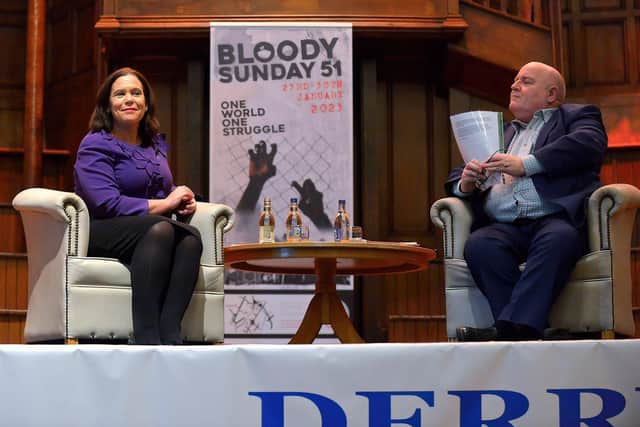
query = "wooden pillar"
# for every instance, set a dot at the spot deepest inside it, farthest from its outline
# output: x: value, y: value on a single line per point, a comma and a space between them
x: 34, y: 93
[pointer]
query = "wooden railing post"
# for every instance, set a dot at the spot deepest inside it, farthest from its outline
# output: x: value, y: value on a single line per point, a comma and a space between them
x: 34, y: 92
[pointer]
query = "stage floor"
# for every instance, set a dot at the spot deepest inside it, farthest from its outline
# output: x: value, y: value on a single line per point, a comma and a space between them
x: 537, y: 384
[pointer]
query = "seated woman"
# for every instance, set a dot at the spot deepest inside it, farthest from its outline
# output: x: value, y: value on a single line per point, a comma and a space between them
x: 122, y: 174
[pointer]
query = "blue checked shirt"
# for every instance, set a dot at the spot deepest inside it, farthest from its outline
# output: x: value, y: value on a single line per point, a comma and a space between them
x: 517, y: 198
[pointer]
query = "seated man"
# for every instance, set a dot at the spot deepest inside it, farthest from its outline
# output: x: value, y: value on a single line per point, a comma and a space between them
x: 536, y: 214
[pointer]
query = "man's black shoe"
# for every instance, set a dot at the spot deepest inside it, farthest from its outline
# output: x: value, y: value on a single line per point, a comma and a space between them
x: 467, y: 333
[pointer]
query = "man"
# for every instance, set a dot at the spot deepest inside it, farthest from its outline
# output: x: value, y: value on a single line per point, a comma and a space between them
x: 536, y: 214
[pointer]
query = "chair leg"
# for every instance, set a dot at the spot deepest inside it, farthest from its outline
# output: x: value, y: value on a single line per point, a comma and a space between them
x: 608, y: 334
x: 71, y: 341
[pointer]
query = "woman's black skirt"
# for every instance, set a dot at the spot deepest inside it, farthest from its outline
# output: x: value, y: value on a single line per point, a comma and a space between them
x: 117, y: 237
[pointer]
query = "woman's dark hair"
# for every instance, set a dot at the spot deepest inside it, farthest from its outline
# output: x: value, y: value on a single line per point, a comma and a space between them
x: 101, y: 118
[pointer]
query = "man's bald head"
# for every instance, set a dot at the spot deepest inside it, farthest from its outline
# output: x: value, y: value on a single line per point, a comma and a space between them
x: 536, y: 86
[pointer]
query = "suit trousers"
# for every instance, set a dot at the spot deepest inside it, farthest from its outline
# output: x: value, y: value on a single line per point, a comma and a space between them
x: 550, y: 247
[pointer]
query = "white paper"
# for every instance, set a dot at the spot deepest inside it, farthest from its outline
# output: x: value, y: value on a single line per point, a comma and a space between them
x: 478, y: 134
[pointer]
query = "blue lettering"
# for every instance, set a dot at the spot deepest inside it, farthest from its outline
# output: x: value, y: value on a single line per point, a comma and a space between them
x: 331, y: 413
x: 515, y: 406
x: 569, y: 402
x: 380, y: 407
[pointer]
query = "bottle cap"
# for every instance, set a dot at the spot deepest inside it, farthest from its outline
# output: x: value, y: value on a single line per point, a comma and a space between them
x: 294, y: 200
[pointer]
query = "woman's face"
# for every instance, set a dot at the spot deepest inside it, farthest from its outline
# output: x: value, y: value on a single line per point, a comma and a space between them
x: 128, y: 104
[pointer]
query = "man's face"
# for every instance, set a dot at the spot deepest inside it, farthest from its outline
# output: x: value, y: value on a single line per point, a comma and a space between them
x: 529, y: 92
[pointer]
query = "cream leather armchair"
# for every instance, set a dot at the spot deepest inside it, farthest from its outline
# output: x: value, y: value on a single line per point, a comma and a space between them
x: 72, y: 296
x: 598, y: 294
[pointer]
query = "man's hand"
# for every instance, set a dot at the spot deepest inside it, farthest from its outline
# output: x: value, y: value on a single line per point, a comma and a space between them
x: 472, y: 176
x: 505, y: 163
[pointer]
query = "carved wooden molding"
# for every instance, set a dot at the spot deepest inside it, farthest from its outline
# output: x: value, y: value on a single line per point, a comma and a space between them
x: 440, y: 26
x: 430, y: 17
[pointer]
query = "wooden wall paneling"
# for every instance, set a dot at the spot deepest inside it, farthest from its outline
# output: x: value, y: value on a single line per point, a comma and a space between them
x: 69, y: 104
x: 602, y: 5
x: 398, y: 169
x: 634, y: 47
x: 85, y: 37
x: 408, y: 191
x: 11, y: 115
x: 13, y: 297
x: 12, y: 72
x: 567, y: 55
x: 409, y: 161
x: 10, y: 174
x: 373, y: 189
x: 192, y: 158
x: 57, y: 172
x: 71, y: 86
x: 61, y: 45
x: 607, y: 61
x: 11, y: 230
x: 425, y: 321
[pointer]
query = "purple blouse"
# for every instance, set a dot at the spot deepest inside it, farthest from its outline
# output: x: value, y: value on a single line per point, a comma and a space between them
x: 116, y: 179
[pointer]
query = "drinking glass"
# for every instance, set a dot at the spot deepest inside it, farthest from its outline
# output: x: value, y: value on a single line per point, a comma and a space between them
x: 356, y: 233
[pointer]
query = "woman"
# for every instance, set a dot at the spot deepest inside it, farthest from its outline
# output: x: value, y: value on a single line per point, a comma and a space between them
x: 122, y: 174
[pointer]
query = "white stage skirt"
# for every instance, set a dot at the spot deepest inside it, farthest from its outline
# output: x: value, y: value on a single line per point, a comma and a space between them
x: 537, y: 384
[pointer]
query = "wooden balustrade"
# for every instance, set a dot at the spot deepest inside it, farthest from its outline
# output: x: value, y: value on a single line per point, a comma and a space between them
x: 534, y: 11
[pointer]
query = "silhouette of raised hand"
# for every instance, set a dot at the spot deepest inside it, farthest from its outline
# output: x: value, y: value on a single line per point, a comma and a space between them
x: 261, y: 163
x: 261, y: 168
x: 311, y: 203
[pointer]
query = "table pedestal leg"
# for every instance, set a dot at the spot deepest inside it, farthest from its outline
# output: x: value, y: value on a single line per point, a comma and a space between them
x: 326, y: 308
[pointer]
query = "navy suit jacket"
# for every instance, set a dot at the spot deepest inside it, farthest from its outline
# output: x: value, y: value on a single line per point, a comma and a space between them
x: 571, y: 147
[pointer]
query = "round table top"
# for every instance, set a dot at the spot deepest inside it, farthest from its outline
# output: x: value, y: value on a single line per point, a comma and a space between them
x: 352, y: 257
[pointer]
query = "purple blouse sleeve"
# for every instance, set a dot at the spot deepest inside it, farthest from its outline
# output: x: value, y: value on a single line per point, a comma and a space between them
x: 96, y: 181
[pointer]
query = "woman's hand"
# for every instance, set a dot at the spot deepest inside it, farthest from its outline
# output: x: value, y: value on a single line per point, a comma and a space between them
x: 187, y: 207
x: 181, y: 200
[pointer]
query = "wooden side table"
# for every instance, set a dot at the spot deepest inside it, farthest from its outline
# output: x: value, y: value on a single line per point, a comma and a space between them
x: 326, y: 260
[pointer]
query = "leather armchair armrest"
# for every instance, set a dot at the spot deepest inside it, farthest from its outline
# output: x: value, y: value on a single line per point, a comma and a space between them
x: 611, y: 215
x: 611, y: 212
x: 61, y: 209
x: 454, y: 217
x: 212, y: 220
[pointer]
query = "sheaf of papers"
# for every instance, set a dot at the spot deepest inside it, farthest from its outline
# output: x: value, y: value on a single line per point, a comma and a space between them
x: 478, y: 134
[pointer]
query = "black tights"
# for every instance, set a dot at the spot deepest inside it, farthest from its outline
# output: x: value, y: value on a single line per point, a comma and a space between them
x: 164, y: 270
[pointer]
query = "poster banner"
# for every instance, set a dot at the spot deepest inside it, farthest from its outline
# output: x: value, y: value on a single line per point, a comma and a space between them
x: 281, y: 122
x: 281, y: 126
